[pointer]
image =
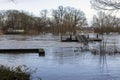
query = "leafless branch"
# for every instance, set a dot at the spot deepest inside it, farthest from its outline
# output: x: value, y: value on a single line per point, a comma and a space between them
x: 110, y: 5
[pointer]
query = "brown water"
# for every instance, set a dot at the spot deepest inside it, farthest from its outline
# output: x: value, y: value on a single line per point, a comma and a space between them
x: 63, y: 61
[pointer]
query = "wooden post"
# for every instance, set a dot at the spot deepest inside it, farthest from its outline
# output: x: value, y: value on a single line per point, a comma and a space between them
x: 41, y: 52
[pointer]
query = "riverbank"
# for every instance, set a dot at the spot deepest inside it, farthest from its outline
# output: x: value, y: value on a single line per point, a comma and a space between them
x: 7, y: 73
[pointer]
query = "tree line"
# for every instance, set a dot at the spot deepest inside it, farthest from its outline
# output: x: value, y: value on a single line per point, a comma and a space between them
x: 58, y: 21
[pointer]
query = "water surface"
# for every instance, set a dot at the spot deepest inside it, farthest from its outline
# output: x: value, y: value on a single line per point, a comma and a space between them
x: 63, y: 60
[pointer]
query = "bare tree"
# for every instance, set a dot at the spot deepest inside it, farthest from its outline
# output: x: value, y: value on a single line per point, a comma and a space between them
x: 104, y: 23
x: 106, y: 4
x: 44, y: 19
x: 1, y: 19
x: 61, y: 12
x: 58, y: 15
x: 56, y: 21
x: 74, y: 19
x: 68, y: 19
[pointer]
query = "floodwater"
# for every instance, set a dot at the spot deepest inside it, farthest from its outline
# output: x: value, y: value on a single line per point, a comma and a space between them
x: 62, y: 60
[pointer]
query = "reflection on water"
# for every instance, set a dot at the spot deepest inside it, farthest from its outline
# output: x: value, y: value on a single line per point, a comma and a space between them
x: 63, y: 61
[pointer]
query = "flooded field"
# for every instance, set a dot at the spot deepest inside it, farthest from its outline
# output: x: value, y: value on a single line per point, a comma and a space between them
x: 62, y: 60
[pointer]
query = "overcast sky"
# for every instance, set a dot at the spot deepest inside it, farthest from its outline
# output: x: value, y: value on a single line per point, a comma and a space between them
x: 35, y: 6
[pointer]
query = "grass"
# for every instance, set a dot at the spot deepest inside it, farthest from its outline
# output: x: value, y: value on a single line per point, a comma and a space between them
x: 7, y: 73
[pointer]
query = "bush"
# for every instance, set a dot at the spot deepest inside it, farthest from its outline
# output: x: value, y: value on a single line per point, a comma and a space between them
x: 7, y: 73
